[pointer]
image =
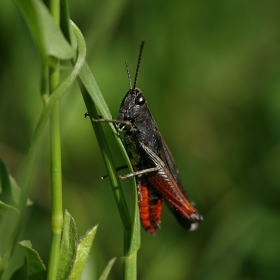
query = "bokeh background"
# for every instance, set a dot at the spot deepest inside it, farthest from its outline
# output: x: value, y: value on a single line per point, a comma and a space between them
x: 211, y: 75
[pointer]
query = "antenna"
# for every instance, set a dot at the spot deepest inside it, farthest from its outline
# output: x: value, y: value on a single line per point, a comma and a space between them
x: 128, y: 75
x: 138, y: 65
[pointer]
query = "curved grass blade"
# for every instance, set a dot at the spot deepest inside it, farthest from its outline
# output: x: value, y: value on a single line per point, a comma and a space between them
x: 92, y: 97
x: 45, y: 32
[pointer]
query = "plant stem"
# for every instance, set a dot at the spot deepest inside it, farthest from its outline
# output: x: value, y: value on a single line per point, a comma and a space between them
x: 56, y: 190
x: 130, y: 267
x: 56, y: 176
x: 131, y: 231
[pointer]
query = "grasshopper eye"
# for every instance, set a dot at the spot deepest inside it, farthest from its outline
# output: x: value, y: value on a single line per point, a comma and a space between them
x: 140, y: 100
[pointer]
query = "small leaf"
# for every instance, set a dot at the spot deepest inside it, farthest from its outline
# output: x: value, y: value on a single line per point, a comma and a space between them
x: 82, y: 254
x: 15, y: 191
x: 8, y: 210
x: 68, y: 249
x: 45, y: 31
x: 8, y: 193
x: 107, y: 269
x: 36, y: 269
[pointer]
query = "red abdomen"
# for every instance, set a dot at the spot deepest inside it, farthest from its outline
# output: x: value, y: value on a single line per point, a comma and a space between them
x: 150, y: 206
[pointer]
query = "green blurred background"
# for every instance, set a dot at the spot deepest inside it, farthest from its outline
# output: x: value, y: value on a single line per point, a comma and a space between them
x: 211, y: 75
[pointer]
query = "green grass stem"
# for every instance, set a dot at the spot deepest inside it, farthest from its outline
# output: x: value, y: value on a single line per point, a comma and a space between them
x: 56, y: 172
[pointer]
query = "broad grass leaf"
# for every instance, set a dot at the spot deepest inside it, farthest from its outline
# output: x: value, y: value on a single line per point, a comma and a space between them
x: 45, y: 32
